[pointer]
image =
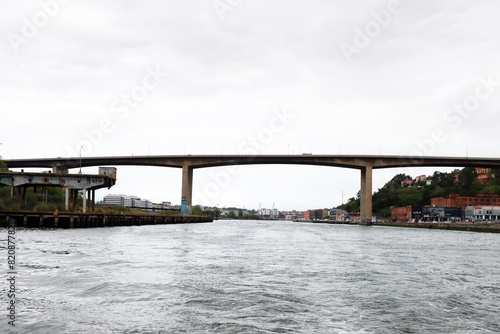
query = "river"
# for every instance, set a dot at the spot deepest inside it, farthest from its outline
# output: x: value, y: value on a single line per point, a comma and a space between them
x: 254, y: 277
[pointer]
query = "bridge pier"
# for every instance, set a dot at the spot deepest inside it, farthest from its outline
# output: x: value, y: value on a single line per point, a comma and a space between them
x: 366, y: 193
x: 187, y: 186
x: 84, y: 200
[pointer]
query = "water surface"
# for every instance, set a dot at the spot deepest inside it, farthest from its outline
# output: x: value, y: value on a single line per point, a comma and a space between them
x: 256, y: 277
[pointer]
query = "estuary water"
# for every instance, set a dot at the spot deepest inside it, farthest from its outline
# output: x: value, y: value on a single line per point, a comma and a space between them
x: 254, y: 277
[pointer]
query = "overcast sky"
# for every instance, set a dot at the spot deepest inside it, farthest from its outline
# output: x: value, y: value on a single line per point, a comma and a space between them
x: 271, y: 77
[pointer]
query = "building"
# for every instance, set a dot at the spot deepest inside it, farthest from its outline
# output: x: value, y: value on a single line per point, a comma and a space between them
x: 318, y: 214
x: 484, y: 178
x: 335, y: 212
x: 420, y: 178
x: 293, y: 215
x: 482, y: 213
x: 428, y: 213
x: 128, y: 202
x: 484, y: 175
x: 113, y: 200
x: 401, y: 214
x: 482, y: 170
x: 268, y: 213
x: 457, y: 201
x: 406, y: 183
x: 350, y: 216
x: 439, y: 213
x: 407, y: 213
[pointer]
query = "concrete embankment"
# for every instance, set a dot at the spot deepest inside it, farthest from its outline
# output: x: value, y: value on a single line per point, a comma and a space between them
x: 87, y: 220
x: 472, y: 227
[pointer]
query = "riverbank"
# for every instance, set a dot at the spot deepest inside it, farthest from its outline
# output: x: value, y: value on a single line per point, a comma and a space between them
x: 462, y: 226
x: 30, y: 219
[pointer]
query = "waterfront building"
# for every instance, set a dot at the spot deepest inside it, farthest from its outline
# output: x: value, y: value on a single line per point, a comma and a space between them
x: 293, y: 215
x: 482, y: 213
x: 268, y: 213
x: 350, y: 216
x: 401, y: 214
x: 428, y: 213
x: 334, y: 212
x: 457, y: 201
x: 314, y: 214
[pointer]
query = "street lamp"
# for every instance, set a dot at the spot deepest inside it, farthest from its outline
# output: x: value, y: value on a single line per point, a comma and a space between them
x: 80, y: 159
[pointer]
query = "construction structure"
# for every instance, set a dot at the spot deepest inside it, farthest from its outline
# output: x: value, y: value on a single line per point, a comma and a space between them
x: 72, y: 184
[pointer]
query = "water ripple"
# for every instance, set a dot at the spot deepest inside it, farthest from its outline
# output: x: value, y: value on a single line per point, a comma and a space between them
x: 257, y: 277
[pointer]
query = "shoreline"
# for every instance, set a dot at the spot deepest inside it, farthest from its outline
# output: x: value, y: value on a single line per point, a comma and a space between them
x: 468, y: 227
x: 65, y: 220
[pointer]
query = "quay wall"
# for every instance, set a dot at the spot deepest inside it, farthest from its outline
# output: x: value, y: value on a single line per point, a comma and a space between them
x: 28, y: 219
x: 493, y: 227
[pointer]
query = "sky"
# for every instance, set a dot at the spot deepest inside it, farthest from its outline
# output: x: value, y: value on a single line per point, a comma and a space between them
x: 122, y: 78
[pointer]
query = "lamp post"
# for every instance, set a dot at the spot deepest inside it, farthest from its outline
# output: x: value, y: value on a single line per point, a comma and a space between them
x: 80, y: 159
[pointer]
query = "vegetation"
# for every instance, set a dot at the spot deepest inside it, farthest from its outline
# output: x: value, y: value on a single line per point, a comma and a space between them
x: 48, y: 200
x: 420, y: 194
x: 197, y: 211
x: 3, y: 165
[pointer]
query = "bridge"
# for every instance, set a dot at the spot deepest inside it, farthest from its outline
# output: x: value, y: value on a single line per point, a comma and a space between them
x: 365, y: 163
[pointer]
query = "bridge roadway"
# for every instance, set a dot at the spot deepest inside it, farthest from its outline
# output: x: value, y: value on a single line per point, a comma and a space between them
x: 365, y: 163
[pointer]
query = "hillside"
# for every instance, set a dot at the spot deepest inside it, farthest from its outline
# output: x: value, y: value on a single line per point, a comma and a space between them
x: 463, y: 182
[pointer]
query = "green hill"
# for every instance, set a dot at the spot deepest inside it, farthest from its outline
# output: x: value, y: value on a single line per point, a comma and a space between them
x: 463, y: 182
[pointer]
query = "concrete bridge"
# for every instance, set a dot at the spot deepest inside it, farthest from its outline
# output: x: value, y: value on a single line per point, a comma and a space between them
x: 365, y: 163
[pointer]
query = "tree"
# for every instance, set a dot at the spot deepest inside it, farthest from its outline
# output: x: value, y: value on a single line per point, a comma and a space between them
x: 443, y: 180
x: 467, y: 177
x: 231, y: 214
x: 240, y: 213
x: 400, y: 178
x: 3, y: 165
x: 496, y: 176
x: 197, y: 211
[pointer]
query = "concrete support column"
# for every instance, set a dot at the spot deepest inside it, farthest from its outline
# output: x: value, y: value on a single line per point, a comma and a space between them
x: 84, y: 200
x: 93, y: 200
x: 75, y: 199
x: 187, y: 186
x: 366, y: 193
x: 66, y: 199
